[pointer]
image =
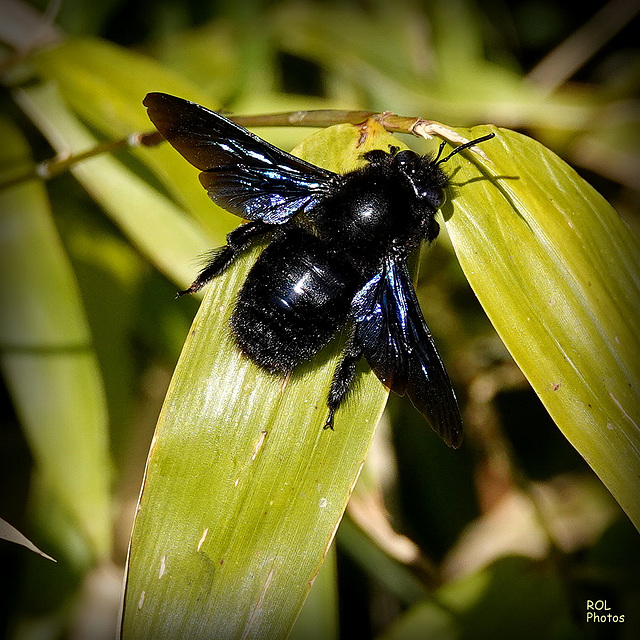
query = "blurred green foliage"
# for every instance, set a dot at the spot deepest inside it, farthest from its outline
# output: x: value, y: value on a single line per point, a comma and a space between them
x: 101, y: 296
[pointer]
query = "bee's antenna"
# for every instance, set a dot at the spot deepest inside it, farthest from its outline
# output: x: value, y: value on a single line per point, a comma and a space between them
x: 440, y: 149
x: 462, y: 147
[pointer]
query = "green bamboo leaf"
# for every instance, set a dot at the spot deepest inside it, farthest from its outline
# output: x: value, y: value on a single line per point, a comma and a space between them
x: 209, y: 57
x: 46, y: 354
x: 105, y: 84
x: 154, y: 225
x: 378, y: 55
x: 244, y: 489
x: 512, y: 596
x: 10, y: 533
x: 557, y: 272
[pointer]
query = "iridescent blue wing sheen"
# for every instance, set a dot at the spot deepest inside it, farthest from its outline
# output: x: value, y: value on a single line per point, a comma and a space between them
x: 399, y: 348
x: 242, y: 173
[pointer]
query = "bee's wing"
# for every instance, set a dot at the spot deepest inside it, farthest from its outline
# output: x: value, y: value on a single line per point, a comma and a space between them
x: 242, y: 173
x: 399, y: 348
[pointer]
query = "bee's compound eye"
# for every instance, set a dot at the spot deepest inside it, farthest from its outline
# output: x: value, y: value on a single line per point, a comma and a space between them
x: 406, y: 160
x: 435, y: 195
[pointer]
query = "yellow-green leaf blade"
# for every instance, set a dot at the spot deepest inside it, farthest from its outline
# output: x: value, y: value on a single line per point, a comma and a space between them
x: 47, y: 357
x: 105, y: 85
x: 153, y: 223
x: 254, y: 486
x: 557, y: 272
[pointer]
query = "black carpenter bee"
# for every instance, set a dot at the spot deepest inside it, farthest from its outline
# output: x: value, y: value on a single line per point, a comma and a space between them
x: 337, y: 255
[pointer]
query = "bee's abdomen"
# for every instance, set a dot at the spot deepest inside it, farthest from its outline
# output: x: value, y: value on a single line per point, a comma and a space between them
x: 293, y: 301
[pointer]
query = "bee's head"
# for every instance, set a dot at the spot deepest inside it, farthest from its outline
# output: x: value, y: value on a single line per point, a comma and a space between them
x: 425, y: 178
x: 424, y: 174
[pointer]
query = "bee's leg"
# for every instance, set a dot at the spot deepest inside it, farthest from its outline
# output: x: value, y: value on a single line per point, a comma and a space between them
x: 221, y: 258
x: 343, y: 377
